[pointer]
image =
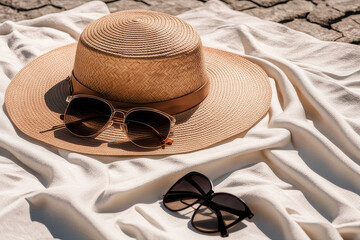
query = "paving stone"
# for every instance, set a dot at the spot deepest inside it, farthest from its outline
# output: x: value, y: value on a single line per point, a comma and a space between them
x: 350, y: 28
x: 125, y: 5
x: 324, y: 15
x: 240, y: 5
x: 314, y: 30
x: 282, y: 12
x: 345, y: 40
x: 7, y: 13
x: 345, y: 5
x: 6, y: 2
x: 173, y: 7
x: 269, y: 3
x: 38, y: 12
x: 356, y: 18
x: 25, y: 4
x: 68, y: 4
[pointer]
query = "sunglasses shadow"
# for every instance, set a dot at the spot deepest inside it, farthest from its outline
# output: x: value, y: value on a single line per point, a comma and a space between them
x: 187, y: 214
x: 64, y: 135
x: 184, y: 214
x: 235, y: 228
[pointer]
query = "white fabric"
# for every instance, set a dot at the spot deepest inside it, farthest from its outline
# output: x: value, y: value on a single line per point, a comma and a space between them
x: 297, y: 169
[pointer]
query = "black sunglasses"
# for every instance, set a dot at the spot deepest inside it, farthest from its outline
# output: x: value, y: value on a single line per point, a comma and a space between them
x: 217, y: 212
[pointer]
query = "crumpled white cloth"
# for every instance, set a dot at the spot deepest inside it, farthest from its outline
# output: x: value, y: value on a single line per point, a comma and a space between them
x: 297, y: 169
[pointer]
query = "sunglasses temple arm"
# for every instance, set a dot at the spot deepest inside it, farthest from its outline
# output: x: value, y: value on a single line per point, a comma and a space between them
x: 246, y: 213
x: 182, y: 194
x: 188, y: 205
x: 196, y: 186
x: 53, y: 128
x: 221, y: 224
x: 74, y: 122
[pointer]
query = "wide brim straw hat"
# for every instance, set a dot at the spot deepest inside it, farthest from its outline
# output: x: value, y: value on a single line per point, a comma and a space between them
x: 141, y: 57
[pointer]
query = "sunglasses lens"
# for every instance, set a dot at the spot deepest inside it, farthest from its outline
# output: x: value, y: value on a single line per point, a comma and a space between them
x: 147, y: 128
x: 86, y: 116
x: 186, y: 191
x: 205, y: 219
x: 230, y: 207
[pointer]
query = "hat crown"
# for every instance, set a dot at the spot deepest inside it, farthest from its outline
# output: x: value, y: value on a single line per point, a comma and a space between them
x: 141, y: 34
x: 140, y: 56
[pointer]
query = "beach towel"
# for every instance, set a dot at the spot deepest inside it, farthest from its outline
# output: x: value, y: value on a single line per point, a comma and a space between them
x: 297, y: 169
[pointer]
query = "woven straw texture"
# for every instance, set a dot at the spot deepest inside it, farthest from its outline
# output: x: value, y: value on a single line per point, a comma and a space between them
x: 240, y: 95
x: 140, y: 56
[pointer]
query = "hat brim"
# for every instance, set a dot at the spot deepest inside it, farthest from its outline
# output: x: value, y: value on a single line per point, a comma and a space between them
x: 239, y: 96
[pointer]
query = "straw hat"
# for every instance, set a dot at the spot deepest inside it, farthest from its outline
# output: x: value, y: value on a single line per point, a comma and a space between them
x: 140, y: 57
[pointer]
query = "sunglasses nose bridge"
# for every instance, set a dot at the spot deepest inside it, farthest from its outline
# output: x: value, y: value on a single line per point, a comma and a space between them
x: 119, y: 113
x: 118, y: 118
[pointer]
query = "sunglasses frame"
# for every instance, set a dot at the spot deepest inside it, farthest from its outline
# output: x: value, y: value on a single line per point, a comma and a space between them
x: 206, y: 198
x: 121, y: 121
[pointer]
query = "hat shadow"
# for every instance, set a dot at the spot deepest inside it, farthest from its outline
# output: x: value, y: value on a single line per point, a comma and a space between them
x: 186, y: 115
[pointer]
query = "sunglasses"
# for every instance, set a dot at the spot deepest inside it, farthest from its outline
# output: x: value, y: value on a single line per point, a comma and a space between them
x: 216, y: 212
x: 88, y: 116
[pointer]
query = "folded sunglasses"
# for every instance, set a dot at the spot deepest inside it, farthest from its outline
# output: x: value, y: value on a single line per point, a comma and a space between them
x: 217, y: 212
x: 88, y: 116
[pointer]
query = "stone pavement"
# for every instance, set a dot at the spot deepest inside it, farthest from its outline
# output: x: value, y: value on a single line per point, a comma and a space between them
x: 331, y: 20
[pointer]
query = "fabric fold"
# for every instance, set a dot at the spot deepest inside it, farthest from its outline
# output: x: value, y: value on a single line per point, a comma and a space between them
x: 297, y: 169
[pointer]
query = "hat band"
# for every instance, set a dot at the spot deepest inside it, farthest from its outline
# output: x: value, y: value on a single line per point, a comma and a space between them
x: 172, y: 106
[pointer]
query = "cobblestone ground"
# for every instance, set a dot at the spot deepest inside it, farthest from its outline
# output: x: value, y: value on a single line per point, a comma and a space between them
x: 331, y: 20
